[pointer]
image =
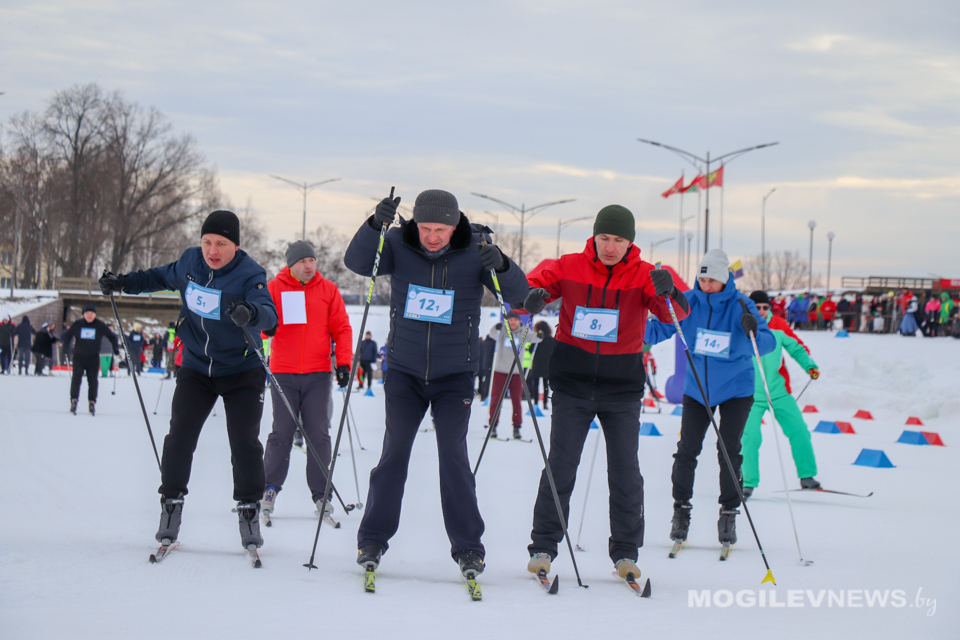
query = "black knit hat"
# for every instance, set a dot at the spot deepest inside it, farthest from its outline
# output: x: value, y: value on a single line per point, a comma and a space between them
x: 436, y: 206
x: 299, y: 250
x: 760, y: 297
x: 616, y: 221
x: 89, y: 307
x: 223, y: 223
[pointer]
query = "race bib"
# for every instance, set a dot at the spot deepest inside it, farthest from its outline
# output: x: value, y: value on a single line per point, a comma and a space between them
x: 88, y: 334
x: 203, y: 301
x: 136, y: 337
x: 429, y: 305
x: 713, y: 344
x: 599, y: 325
x: 294, y: 304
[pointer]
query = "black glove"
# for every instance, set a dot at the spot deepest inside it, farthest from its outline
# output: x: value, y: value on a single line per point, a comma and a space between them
x: 492, y: 258
x: 749, y: 323
x: 536, y: 301
x: 110, y: 282
x: 343, y: 376
x: 662, y: 282
x: 386, y: 212
x: 271, y: 331
x: 242, y: 313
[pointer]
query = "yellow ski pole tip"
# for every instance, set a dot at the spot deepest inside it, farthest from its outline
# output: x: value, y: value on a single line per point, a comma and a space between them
x: 769, y: 578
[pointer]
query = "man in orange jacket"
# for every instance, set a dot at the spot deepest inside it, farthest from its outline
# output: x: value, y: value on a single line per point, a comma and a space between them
x: 311, y: 313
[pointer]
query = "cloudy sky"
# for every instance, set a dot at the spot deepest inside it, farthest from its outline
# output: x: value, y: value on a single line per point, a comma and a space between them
x: 532, y: 101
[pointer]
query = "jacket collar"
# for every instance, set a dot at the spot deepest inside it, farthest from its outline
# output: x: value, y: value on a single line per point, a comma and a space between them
x: 728, y: 292
x: 289, y: 279
x: 590, y: 251
x: 460, y: 239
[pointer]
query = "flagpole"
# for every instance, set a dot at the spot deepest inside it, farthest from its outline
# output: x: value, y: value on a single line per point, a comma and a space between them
x: 680, y: 227
x: 721, y: 212
x: 699, y: 211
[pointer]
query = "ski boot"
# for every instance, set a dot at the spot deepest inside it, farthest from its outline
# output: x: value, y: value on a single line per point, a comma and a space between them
x: 269, y: 500
x: 538, y: 562
x: 747, y: 492
x: 681, y: 521
x: 626, y: 568
x: 73, y: 406
x: 809, y: 483
x: 249, y: 517
x: 368, y: 556
x: 298, y: 439
x: 727, y: 526
x: 471, y: 564
x: 93, y: 408
x: 327, y: 507
x: 516, y: 432
x: 493, y: 432
x: 171, y: 510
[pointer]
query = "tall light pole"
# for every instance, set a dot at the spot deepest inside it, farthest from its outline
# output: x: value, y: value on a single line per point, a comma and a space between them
x: 687, y: 266
x: 657, y: 244
x: 521, y: 213
x: 763, y: 239
x: 694, y: 159
x: 563, y: 223
x: 830, y: 236
x: 305, y: 188
x: 813, y: 225
x: 683, y: 253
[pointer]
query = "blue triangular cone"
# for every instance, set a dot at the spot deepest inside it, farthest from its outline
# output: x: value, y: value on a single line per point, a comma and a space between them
x: 649, y: 429
x: 827, y: 427
x: 594, y: 425
x: 842, y: 334
x: 677, y: 410
x: 912, y: 437
x: 486, y: 402
x: 536, y: 411
x: 382, y: 380
x: 873, y: 458
x: 369, y: 392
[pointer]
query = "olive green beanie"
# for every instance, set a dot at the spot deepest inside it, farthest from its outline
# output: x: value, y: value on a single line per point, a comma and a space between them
x: 616, y: 221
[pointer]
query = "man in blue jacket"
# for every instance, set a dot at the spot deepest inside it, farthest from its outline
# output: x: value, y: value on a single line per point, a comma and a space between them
x: 223, y: 290
x: 439, y: 270
x: 717, y: 333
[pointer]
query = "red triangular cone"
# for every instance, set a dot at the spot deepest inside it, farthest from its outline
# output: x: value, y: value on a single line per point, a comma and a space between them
x: 863, y: 415
x: 914, y: 420
x: 845, y: 427
x: 649, y: 402
x: 810, y: 409
x: 933, y: 438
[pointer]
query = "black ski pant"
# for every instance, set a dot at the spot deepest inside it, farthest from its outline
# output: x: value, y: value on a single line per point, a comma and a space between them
x: 693, y: 426
x: 570, y: 423
x: 407, y: 399
x: 366, y: 372
x: 85, y: 366
x: 533, y: 383
x: 193, y: 400
x: 309, y: 395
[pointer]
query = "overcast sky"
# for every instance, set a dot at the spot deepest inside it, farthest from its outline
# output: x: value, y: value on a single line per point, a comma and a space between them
x: 531, y: 101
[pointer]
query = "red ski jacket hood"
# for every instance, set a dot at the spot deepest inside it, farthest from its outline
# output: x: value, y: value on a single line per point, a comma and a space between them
x: 305, y: 347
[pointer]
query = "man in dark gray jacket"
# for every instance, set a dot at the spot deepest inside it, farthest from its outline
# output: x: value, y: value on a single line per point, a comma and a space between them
x: 439, y: 264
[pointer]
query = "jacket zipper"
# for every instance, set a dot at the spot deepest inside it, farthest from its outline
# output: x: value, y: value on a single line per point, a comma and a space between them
x: 603, y: 302
x: 426, y: 371
x: 706, y: 384
x: 206, y: 344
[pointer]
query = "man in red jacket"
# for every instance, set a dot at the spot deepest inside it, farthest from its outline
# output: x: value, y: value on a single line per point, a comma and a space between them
x: 311, y: 312
x: 596, y: 370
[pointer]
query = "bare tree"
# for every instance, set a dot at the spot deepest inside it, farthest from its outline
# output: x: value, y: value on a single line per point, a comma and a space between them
x: 786, y: 271
x: 509, y: 244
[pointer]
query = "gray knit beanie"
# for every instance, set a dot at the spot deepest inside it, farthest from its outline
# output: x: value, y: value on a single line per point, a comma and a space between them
x: 299, y: 250
x: 436, y: 206
x: 715, y: 264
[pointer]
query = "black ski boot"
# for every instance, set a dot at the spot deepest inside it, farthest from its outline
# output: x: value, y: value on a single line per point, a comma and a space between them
x: 727, y: 525
x: 809, y: 483
x: 747, y: 492
x: 368, y: 556
x: 73, y: 406
x: 493, y: 432
x: 681, y: 521
x: 171, y: 510
x: 249, y: 517
x: 471, y: 564
x: 516, y: 433
x: 93, y: 408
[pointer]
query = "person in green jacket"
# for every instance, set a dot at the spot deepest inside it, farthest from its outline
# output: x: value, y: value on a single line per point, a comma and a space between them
x: 785, y: 409
x: 946, y: 310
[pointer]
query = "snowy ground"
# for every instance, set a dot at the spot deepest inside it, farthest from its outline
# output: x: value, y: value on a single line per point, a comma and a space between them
x: 82, y: 509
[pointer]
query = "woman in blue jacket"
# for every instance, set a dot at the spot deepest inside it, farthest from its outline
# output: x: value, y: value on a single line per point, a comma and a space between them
x: 717, y: 335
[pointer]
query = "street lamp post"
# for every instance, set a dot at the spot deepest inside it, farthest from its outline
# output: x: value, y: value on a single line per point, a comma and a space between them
x: 813, y: 225
x: 687, y: 266
x: 521, y: 213
x: 563, y: 223
x: 305, y: 188
x: 763, y: 240
x: 681, y: 250
x: 657, y: 244
x: 830, y: 236
x: 694, y: 159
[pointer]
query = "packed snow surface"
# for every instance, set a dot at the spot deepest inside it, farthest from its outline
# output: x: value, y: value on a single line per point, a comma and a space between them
x: 81, y: 510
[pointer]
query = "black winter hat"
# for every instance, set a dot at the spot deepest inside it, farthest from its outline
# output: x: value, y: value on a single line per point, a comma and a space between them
x: 89, y: 307
x: 616, y: 221
x: 436, y: 206
x: 299, y: 250
x: 223, y: 223
x: 760, y: 297
x: 512, y: 314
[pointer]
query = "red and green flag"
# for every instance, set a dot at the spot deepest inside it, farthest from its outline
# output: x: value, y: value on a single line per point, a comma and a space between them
x: 676, y: 188
x: 715, y: 178
x: 700, y: 182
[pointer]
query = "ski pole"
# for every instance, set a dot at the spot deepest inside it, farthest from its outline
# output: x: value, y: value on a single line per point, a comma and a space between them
x: 114, y: 373
x: 346, y: 399
x: 353, y: 458
x: 536, y: 428
x: 159, y: 393
x: 136, y: 384
x: 296, y: 418
x: 723, y: 448
x: 776, y: 438
x: 804, y: 389
x: 496, y: 410
x: 586, y: 494
x: 352, y: 419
